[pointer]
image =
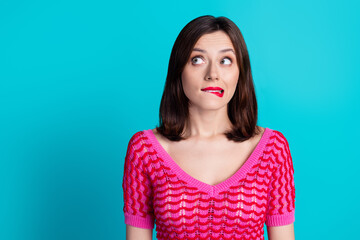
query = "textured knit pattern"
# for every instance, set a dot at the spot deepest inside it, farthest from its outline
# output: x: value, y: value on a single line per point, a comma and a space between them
x: 157, y: 190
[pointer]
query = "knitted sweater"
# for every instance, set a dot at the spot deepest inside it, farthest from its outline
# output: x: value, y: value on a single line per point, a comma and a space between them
x: 156, y: 188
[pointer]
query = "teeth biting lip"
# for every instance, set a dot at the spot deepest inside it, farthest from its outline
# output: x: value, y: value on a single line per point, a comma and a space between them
x: 211, y: 91
x: 215, y: 90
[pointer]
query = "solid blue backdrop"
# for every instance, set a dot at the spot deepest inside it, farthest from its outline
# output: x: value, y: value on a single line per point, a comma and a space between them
x: 78, y: 78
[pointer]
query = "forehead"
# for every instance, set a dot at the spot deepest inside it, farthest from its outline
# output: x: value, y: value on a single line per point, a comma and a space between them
x: 218, y: 39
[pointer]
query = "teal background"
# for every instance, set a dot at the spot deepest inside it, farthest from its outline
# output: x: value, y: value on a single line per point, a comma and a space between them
x: 78, y: 78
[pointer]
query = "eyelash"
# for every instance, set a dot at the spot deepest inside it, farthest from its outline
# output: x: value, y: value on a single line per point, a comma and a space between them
x: 227, y: 58
x: 192, y: 59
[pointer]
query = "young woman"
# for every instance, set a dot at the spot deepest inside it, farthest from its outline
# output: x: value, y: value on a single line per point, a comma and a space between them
x: 208, y: 171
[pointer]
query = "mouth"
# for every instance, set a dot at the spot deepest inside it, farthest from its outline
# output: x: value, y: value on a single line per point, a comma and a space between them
x: 214, y: 90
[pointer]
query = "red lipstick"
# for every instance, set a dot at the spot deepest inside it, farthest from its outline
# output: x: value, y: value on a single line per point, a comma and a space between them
x: 214, y: 90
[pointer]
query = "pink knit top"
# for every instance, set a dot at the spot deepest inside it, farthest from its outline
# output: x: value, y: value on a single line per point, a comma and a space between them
x: 157, y: 189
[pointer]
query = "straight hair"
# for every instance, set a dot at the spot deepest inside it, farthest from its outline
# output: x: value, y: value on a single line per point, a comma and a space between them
x: 174, y: 106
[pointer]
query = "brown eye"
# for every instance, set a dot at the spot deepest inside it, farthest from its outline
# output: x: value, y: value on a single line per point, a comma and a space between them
x: 226, y: 61
x: 197, y: 60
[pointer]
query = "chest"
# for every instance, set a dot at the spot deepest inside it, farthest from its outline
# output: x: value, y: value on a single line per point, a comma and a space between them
x: 211, y: 163
x: 180, y: 201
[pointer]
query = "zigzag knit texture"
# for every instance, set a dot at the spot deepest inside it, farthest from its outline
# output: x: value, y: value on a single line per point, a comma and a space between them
x: 157, y: 191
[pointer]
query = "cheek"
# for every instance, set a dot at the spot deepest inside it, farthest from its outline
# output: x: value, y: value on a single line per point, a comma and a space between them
x: 232, y: 76
x: 189, y: 81
x: 232, y: 83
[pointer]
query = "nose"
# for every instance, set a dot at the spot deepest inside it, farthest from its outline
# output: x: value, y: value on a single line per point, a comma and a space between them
x: 212, y: 72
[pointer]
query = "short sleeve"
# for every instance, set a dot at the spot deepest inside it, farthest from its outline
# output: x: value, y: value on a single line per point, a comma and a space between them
x: 138, y: 203
x: 281, y: 195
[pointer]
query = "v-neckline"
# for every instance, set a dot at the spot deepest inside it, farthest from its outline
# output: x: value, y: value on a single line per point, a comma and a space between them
x: 212, y: 190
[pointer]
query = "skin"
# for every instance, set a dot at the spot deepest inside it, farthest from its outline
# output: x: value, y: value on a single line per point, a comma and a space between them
x: 212, y: 63
x: 135, y: 233
x: 285, y: 232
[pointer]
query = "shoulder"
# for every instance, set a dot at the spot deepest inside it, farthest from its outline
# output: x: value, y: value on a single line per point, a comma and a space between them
x: 139, y: 146
x: 138, y: 140
x: 137, y: 136
x: 279, y: 143
x: 278, y: 137
x: 163, y: 141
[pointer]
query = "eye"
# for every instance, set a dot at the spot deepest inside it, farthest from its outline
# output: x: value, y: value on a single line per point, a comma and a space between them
x: 226, y: 61
x: 197, y: 60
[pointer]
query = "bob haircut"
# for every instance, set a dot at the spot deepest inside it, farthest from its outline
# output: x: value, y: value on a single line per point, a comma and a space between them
x: 174, y: 106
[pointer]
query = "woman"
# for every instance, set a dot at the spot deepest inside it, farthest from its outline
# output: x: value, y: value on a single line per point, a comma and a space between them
x: 207, y: 171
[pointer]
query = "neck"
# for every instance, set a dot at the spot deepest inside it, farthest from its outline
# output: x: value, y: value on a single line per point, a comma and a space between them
x: 207, y: 123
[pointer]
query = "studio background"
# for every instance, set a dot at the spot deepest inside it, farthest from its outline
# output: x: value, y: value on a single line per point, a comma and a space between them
x: 79, y: 78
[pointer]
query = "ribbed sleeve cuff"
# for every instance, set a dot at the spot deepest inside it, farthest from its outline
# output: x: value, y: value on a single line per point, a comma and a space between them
x: 280, y: 220
x: 141, y: 222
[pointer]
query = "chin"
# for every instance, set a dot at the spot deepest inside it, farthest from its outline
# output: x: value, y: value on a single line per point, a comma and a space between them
x: 209, y: 106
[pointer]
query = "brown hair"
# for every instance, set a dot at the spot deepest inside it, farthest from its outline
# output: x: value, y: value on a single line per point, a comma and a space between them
x: 174, y: 106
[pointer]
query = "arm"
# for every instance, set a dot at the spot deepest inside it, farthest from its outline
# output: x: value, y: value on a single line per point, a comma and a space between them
x: 135, y: 233
x: 285, y: 232
x: 138, y: 202
x: 281, y: 206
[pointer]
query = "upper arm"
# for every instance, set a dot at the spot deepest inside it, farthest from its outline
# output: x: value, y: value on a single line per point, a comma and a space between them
x: 135, y: 233
x: 281, y: 194
x: 137, y: 188
x: 285, y: 232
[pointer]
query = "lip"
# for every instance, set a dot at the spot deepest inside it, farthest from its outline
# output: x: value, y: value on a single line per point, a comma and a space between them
x: 216, y: 89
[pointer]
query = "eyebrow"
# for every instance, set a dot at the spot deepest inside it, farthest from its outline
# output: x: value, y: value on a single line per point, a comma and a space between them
x: 223, y: 50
